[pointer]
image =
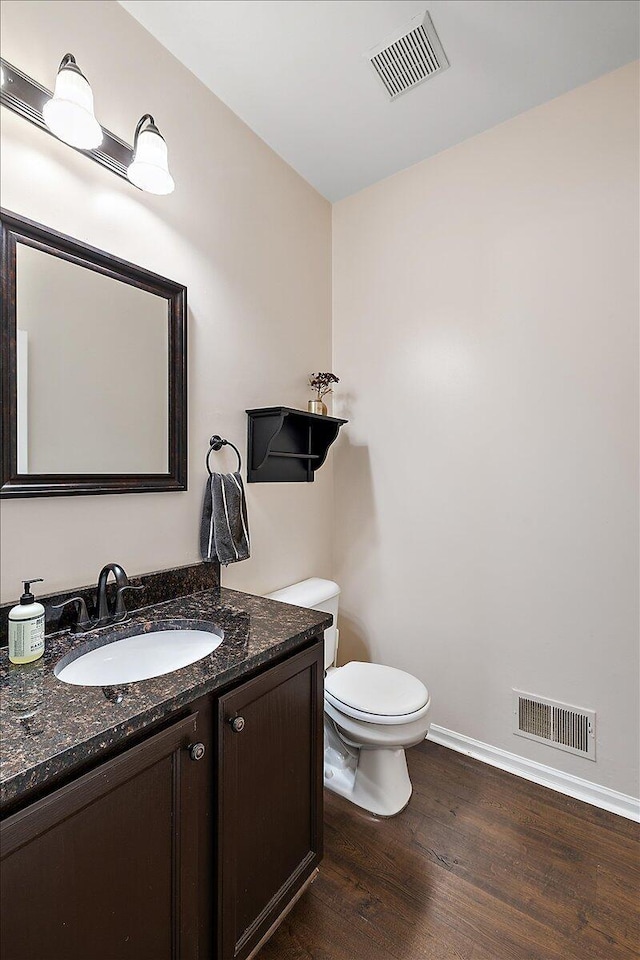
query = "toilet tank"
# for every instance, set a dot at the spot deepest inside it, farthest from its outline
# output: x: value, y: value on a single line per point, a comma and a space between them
x: 318, y: 594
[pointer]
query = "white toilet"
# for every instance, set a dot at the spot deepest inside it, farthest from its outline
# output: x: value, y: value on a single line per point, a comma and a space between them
x: 372, y: 713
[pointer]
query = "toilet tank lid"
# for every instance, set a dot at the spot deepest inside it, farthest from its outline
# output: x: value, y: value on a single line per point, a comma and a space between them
x: 307, y: 593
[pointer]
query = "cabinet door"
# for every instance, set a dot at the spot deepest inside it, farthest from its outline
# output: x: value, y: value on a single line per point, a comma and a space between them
x: 269, y: 797
x: 105, y: 868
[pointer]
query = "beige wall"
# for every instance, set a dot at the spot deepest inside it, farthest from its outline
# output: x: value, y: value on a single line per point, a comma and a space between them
x: 486, y: 330
x: 249, y: 238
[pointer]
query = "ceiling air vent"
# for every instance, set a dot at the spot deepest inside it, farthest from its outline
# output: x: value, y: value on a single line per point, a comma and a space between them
x: 557, y: 724
x: 409, y: 56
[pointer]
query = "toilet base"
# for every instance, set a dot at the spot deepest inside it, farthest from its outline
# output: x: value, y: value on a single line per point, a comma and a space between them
x: 373, y: 778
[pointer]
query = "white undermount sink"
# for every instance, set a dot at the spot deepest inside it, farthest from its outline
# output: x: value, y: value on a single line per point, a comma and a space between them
x: 139, y: 657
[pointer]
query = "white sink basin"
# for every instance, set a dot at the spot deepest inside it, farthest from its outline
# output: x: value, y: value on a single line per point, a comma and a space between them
x: 140, y: 657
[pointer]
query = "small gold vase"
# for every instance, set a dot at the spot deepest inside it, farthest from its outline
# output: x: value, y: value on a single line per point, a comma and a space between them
x: 317, y: 406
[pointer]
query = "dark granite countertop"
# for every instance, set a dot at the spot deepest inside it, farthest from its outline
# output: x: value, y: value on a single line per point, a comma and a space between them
x: 48, y: 728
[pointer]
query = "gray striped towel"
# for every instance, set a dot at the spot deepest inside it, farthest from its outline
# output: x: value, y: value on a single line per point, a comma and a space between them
x: 224, y: 528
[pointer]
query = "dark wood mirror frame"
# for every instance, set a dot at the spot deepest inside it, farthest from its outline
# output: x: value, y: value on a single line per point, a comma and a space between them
x: 12, y: 484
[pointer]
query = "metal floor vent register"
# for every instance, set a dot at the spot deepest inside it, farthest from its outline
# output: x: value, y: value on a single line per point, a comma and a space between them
x: 410, y: 56
x: 557, y: 724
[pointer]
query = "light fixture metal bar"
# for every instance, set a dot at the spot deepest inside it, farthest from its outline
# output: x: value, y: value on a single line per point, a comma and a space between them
x: 26, y: 97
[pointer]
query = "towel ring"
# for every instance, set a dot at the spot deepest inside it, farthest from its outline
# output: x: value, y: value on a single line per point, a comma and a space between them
x: 217, y: 443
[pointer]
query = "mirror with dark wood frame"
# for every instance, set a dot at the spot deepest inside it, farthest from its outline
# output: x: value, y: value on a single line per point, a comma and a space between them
x: 94, y: 370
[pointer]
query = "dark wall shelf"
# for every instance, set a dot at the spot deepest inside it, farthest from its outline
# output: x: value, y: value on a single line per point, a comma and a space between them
x: 286, y: 445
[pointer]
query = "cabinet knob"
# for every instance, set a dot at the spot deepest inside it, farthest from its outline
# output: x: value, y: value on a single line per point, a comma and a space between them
x: 197, y: 751
x: 237, y: 724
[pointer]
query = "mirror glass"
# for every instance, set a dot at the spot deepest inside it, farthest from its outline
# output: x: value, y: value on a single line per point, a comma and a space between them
x: 92, y: 365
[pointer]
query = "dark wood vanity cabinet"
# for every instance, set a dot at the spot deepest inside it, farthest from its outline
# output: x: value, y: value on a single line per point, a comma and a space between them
x: 106, y: 867
x: 189, y: 845
x: 269, y: 798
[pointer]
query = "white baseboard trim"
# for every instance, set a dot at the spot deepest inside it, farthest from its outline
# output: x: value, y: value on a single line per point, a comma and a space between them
x: 593, y: 793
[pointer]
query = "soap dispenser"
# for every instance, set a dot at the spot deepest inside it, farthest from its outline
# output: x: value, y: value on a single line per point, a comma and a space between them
x: 26, y: 627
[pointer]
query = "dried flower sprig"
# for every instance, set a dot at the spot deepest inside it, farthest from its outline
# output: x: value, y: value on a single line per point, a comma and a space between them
x: 321, y: 383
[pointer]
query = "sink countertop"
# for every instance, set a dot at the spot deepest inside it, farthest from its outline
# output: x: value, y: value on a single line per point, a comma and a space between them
x: 48, y: 728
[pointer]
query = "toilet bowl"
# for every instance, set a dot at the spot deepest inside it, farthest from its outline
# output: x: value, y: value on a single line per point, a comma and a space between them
x: 372, y: 714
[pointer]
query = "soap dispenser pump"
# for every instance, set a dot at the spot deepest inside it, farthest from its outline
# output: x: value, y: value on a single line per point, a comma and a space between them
x: 26, y: 627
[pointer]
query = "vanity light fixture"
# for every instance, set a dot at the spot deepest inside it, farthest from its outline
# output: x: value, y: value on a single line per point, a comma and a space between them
x: 149, y: 169
x: 69, y: 113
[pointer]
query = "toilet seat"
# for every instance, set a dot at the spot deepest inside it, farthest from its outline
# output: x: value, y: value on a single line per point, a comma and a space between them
x: 376, y: 693
x: 366, y: 735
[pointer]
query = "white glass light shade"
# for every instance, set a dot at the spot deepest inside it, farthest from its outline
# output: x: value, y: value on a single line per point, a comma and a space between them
x: 69, y: 113
x: 149, y: 168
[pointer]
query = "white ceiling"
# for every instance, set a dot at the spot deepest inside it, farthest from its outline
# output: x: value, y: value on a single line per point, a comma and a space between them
x: 294, y: 71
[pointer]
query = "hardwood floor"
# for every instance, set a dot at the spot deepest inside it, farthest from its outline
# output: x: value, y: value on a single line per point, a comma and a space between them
x: 481, y: 866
